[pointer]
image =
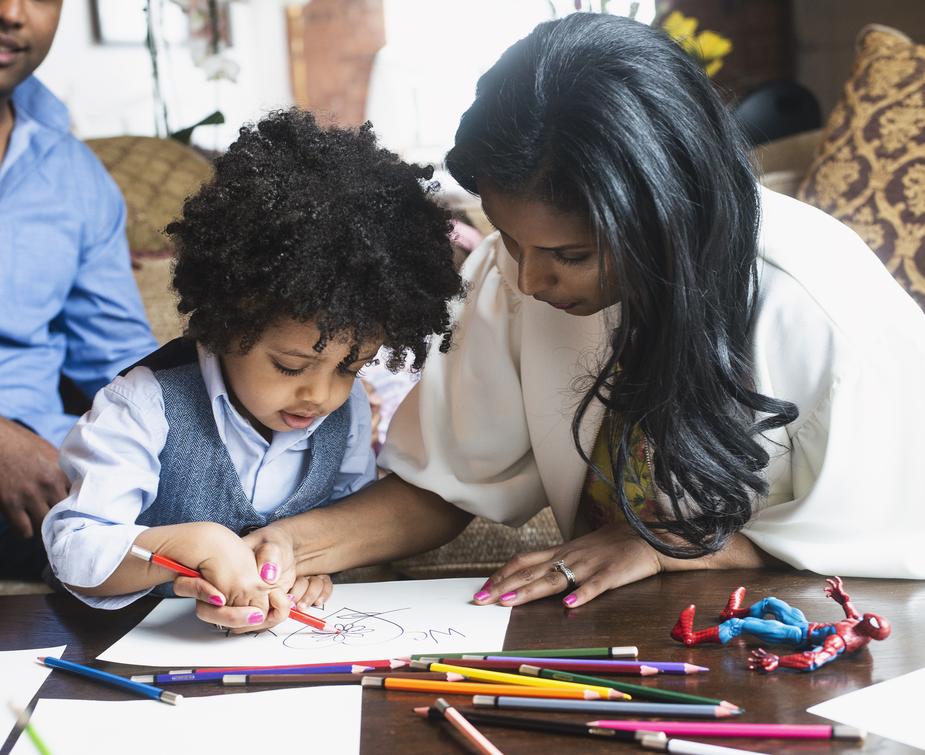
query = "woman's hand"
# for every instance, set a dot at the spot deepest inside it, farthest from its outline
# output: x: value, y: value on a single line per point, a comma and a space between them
x: 274, y: 553
x: 231, y: 592
x: 608, y: 558
x: 602, y: 560
x: 273, y: 562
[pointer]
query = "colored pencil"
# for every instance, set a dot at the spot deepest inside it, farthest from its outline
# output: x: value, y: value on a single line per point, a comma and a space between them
x: 601, y: 706
x: 385, y: 665
x: 477, y: 688
x: 502, y: 664
x: 646, y: 693
x: 169, y: 563
x: 651, y: 740
x: 23, y: 724
x: 144, y: 690
x: 684, y: 747
x: 187, y: 677
x: 572, y: 664
x: 626, y: 651
x: 542, y: 724
x: 473, y: 736
x: 314, y: 680
x: 500, y: 677
x: 712, y: 729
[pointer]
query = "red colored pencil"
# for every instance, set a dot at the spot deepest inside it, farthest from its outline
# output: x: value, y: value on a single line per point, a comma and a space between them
x: 503, y: 664
x: 379, y: 664
x: 169, y: 563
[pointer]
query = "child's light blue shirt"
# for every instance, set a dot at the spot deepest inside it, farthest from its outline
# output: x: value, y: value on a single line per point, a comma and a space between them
x: 111, y: 459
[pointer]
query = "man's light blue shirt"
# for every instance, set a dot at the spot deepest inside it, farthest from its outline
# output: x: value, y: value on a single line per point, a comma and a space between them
x: 68, y: 301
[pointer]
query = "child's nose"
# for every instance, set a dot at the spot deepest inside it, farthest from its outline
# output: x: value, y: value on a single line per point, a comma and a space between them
x: 316, y: 393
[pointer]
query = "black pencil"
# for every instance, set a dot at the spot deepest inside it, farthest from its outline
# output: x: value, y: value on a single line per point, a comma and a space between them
x: 542, y: 724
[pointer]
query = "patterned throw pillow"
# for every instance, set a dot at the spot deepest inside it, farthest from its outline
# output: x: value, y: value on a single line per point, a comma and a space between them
x: 869, y: 170
x: 155, y: 177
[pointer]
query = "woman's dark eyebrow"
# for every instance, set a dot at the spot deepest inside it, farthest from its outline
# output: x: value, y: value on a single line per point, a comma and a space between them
x: 562, y: 248
x: 566, y: 248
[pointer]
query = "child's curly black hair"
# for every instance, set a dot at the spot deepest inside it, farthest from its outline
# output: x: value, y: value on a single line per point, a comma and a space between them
x: 319, y: 224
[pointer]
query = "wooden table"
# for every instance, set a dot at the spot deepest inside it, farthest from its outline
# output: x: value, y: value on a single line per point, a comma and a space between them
x: 641, y: 614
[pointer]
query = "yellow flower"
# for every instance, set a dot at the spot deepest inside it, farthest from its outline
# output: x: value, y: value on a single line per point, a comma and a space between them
x: 708, y: 47
x: 712, y: 46
x: 678, y: 26
x: 712, y: 67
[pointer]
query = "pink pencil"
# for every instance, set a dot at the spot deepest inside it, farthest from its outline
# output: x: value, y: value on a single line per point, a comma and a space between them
x: 458, y: 721
x: 710, y: 729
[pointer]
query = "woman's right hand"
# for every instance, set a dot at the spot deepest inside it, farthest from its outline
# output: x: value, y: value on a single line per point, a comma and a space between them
x: 272, y: 561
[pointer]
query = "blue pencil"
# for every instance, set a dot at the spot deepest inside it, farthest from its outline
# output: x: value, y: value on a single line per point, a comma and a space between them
x: 144, y: 690
x: 181, y: 677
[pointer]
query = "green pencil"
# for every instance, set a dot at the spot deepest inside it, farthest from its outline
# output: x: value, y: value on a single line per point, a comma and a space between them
x: 636, y: 690
x: 22, y: 724
x: 627, y: 651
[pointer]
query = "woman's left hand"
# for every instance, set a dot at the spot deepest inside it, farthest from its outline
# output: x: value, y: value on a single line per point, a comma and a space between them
x: 609, y: 557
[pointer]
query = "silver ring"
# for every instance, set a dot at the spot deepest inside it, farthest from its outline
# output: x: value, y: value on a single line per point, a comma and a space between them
x: 220, y: 628
x: 560, y: 567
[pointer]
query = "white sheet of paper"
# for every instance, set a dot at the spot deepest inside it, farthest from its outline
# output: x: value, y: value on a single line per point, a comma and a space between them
x: 309, y: 719
x: 891, y: 709
x: 20, y: 678
x: 370, y: 621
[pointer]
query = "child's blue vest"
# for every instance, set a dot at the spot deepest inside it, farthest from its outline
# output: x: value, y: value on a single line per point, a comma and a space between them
x: 198, y: 481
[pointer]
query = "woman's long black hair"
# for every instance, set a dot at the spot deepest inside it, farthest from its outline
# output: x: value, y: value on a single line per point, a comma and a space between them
x: 603, y: 115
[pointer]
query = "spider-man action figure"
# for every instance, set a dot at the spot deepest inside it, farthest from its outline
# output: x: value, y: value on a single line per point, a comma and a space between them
x: 824, y: 642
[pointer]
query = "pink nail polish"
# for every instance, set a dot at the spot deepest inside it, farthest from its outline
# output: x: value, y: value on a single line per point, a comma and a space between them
x: 216, y: 600
x: 269, y: 572
x: 486, y: 586
x: 291, y: 600
x: 508, y: 596
x: 255, y: 618
x: 481, y: 595
x: 569, y: 600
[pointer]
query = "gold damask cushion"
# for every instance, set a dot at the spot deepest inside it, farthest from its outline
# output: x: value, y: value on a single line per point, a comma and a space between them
x: 155, y: 177
x: 869, y: 169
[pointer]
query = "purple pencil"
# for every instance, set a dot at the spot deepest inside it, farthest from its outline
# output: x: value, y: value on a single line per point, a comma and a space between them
x: 665, y: 667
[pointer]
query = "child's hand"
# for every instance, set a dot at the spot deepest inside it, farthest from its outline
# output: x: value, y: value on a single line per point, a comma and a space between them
x: 230, y: 582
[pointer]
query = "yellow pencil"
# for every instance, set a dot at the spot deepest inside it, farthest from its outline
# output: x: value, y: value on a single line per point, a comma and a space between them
x: 502, y: 678
x: 481, y: 688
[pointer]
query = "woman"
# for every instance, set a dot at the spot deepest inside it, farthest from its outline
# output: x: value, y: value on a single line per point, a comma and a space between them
x: 740, y: 362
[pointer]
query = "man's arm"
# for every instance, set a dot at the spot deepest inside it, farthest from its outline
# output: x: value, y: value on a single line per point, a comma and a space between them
x: 387, y: 520
x: 30, y: 480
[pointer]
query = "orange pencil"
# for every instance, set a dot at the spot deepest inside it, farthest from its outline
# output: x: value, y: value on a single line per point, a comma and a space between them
x: 169, y: 563
x: 478, y: 688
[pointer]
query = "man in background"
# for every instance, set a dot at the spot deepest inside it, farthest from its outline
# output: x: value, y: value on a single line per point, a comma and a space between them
x: 70, y: 313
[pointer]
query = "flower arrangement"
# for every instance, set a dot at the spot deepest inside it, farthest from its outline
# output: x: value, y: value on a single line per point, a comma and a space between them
x: 707, y: 47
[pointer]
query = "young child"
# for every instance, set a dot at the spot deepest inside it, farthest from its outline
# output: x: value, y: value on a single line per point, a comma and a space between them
x: 308, y: 250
